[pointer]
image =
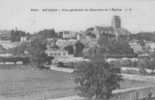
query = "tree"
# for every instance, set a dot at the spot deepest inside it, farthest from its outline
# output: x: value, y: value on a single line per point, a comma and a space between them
x: 152, y: 66
x: 36, y: 52
x: 147, y: 63
x: 94, y: 52
x: 143, y: 63
x: 16, y: 35
x: 96, y: 79
x: 70, y: 49
x: 47, y: 33
x: 152, y: 62
x: 112, y: 47
x: 79, y: 48
x: 19, y: 50
x: 76, y: 49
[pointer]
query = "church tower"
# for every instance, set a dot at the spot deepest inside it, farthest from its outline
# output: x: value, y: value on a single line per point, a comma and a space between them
x: 116, y: 22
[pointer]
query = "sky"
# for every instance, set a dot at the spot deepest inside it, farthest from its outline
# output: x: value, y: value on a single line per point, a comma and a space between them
x: 136, y: 15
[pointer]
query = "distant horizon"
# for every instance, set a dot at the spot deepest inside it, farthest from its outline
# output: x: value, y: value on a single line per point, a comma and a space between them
x: 17, y: 13
x: 70, y: 30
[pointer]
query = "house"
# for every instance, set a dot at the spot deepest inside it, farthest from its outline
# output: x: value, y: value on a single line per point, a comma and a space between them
x: 63, y: 43
x: 23, y: 39
x: 69, y: 35
x: 51, y: 42
x: 150, y: 45
x: 55, y: 50
x: 4, y: 52
x: 5, y: 35
x: 8, y: 44
x: 144, y: 47
x: 136, y: 46
x: 56, y: 53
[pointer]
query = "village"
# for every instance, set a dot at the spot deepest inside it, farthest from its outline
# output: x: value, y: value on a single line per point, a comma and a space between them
x: 57, y: 54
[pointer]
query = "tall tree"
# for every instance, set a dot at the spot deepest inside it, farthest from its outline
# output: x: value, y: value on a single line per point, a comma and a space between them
x: 36, y: 52
x: 96, y: 79
x: 79, y: 48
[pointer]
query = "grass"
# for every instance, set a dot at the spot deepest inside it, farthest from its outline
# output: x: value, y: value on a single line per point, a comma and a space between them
x: 34, y: 84
x: 20, y: 83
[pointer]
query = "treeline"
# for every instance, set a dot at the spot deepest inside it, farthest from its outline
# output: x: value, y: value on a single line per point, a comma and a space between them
x: 149, y: 36
x: 15, y: 35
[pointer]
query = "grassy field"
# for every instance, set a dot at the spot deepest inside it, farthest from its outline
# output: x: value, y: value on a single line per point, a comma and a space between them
x: 21, y: 83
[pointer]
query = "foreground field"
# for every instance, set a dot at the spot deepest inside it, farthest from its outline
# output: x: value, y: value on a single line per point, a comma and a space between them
x: 20, y: 83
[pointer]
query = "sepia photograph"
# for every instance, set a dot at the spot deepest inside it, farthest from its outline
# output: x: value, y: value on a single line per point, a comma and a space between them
x: 77, y: 50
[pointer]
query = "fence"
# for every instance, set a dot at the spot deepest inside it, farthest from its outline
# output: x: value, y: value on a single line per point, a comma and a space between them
x: 139, y: 93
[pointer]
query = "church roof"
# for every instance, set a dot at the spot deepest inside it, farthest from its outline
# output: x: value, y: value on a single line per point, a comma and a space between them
x: 109, y: 30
